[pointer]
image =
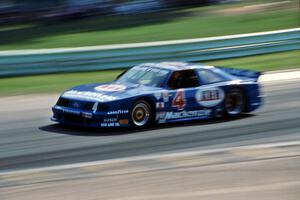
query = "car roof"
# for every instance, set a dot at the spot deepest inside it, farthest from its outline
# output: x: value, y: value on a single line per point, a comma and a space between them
x: 177, y: 66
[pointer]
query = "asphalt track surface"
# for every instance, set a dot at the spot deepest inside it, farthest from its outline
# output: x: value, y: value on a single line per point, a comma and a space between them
x: 270, y: 179
x: 30, y: 140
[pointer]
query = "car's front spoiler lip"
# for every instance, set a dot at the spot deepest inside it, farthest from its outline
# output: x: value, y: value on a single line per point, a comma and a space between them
x: 97, y: 117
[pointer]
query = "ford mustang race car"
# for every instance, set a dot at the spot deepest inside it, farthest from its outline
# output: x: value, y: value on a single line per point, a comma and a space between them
x: 161, y: 93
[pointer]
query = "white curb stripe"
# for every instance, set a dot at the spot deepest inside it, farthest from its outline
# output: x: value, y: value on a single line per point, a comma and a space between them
x: 280, y: 76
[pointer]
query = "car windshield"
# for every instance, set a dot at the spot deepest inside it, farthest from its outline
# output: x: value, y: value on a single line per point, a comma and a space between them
x: 144, y: 75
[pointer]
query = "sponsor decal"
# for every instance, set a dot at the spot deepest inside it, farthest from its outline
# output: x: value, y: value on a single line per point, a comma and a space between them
x: 210, y: 97
x: 166, y: 96
x: 160, y: 115
x: 117, y: 112
x: 187, y: 114
x: 111, y: 124
x: 160, y: 105
x: 111, y: 87
x: 89, y: 95
x: 162, y: 95
x: 71, y: 111
x: 163, y: 116
x: 87, y: 115
x: 179, y: 100
x: 123, y: 121
x: 157, y: 95
x: 107, y: 120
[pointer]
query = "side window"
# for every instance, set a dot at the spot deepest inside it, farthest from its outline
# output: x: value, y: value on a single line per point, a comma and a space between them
x: 183, y: 79
x: 208, y: 76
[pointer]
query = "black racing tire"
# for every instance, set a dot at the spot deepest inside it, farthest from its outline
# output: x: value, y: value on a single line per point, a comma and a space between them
x: 141, y: 114
x: 235, y: 102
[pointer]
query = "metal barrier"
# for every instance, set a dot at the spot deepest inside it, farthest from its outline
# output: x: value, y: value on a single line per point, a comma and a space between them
x: 25, y: 62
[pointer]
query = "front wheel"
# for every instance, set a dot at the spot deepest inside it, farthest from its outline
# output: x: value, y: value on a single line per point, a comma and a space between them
x: 141, y: 114
x: 234, y: 102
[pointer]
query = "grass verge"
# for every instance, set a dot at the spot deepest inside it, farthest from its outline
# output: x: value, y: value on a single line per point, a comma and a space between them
x: 180, y: 24
x: 59, y: 82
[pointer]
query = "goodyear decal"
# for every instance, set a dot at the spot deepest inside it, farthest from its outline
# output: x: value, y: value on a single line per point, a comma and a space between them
x: 117, y: 112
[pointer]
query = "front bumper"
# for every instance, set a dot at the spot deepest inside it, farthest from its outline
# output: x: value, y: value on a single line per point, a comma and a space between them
x: 75, y: 117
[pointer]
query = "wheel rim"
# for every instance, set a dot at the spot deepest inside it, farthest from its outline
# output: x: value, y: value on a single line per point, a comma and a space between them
x: 140, y: 114
x: 234, y: 103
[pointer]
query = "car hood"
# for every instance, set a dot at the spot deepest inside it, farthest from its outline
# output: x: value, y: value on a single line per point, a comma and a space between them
x: 107, y: 91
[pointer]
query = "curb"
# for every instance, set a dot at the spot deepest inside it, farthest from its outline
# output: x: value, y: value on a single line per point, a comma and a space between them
x: 282, y: 71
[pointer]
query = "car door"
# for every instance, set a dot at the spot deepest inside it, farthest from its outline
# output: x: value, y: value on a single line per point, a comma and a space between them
x: 182, y: 89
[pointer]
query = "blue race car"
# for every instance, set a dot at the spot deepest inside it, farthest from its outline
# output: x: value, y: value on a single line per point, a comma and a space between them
x: 161, y: 93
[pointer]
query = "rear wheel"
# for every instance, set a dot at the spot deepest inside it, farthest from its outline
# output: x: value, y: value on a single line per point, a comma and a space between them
x: 234, y: 102
x: 141, y: 114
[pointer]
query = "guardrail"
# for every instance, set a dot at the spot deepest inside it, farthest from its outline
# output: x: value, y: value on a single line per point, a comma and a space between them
x: 25, y: 62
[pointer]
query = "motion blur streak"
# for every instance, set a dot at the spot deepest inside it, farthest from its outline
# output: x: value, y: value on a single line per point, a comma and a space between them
x: 28, y: 141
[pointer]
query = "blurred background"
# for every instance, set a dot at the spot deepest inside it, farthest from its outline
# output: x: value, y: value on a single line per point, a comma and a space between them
x: 47, y: 10
x: 26, y: 26
x: 71, y: 23
x: 48, y: 46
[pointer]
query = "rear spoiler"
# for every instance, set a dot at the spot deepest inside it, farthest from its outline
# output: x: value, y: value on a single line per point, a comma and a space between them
x: 242, y: 73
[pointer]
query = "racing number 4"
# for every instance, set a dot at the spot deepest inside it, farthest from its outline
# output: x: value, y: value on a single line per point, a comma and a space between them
x: 179, y: 100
